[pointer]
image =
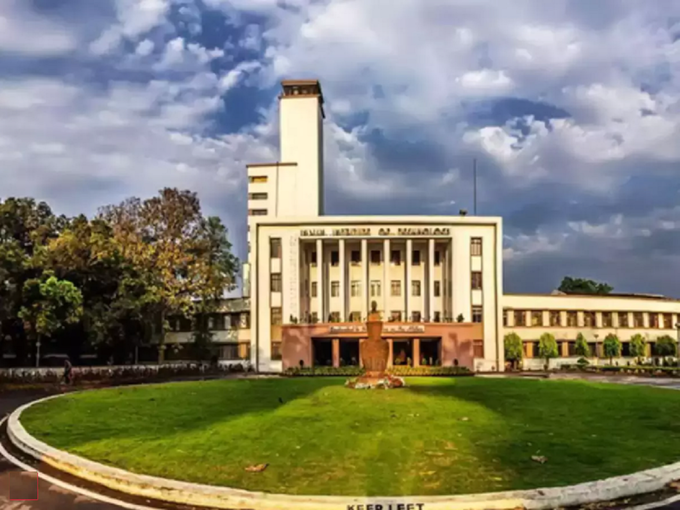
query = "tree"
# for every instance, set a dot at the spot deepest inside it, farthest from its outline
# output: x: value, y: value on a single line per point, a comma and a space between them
x: 665, y: 346
x: 637, y: 346
x: 547, y: 348
x: 571, y: 285
x: 612, y: 347
x: 183, y: 260
x: 581, y: 348
x: 202, y: 337
x: 49, y: 304
x: 513, y: 348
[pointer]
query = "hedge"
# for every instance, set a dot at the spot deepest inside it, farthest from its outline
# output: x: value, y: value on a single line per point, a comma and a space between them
x: 401, y: 371
x: 649, y: 371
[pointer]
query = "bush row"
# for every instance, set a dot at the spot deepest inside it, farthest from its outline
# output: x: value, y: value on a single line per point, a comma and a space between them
x: 117, y: 373
x: 649, y: 371
x: 401, y: 371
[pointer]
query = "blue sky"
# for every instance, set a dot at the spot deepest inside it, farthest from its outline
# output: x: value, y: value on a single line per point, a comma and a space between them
x: 571, y: 108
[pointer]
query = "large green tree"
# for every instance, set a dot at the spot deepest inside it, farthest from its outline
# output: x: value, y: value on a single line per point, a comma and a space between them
x: 547, y: 348
x: 581, y: 347
x: 637, y: 346
x: 570, y: 285
x: 612, y: 347
x: 513, y: 348
x: 665, y: 346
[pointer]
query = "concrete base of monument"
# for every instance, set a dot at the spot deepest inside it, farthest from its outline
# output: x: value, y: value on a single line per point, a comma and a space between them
x: 174, y: 491
x: 376, y: 382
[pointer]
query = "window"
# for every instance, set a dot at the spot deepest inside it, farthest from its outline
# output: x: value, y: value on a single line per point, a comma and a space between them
x: 334, y: 317
x: 275, y: 282
x: 375, y: 257
x: 415, y: 257
x: 211, y: 322
x: 395, y: 288
x: 395, y: 316
x: 257, y: 178
x: 220, y: 322
x: 505, y: 318
x: 623, y: 319
x: 478, y: 348
x: 257, y: 196
x: 477, y: 314
x: 276, y: 318
x: 416, y: 317
x: 476, y: 279
x: 638, y: 320
x: 315, y: 289
x: 312, y: 261
x: 355, y: 316
x: 667, y: 321
x: 257, y: 212
x: 537, y: 318
x: 476, y: 246
x: 607, y: 319
x: 653, y: 320
x: 572, y: 319
x: 355, y: 257
x: 520, y: 318
x: 415, y: 288
x: 395, y: 257
x: 375, y: 288
x: 335, y: 258
x: 555, y: 319
x: 314, y: 317
x: 275, y: 248
x: 437, y: 316
x: 589, y: 319
x: 276, y: 350
x: 244, y: 321
x: 437, y: 288
x: 437, y: 258
x: 355, y: 288
x: 335, y: 289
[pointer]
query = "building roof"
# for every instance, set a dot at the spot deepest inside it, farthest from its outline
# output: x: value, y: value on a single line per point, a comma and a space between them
x: 622, y: 295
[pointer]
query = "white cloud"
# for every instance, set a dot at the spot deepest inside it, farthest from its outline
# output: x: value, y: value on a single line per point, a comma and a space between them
x: 25, y: 33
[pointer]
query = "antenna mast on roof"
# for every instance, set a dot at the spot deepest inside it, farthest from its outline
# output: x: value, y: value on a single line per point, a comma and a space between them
x: 474, y: 185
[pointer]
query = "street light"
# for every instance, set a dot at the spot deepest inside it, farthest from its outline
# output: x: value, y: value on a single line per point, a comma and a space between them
x: 677, y: 352
x: 37, y: 353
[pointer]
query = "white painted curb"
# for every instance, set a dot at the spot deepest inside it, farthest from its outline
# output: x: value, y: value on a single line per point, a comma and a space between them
x: 228, y: 498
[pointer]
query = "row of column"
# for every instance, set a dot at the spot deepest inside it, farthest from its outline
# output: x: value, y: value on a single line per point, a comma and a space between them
x: 415, y: 360
x: 428, y: 310
x: 580, y: 320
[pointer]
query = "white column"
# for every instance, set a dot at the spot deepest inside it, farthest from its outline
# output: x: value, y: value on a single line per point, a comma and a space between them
x: 386, y: 278
x: 452, y: 264
x: 343, y: 287
x: 319, y: 281
x: 409, y: 261
x: 430, y: 279
x: 365, y: 308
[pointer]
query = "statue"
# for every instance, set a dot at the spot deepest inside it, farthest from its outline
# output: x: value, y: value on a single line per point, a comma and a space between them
x: 375, y: 354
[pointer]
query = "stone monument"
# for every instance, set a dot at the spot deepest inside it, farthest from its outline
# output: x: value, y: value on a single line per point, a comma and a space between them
x: 375, y: 354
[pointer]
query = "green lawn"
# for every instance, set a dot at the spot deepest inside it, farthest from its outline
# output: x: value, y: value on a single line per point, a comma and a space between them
x: 438, y: 436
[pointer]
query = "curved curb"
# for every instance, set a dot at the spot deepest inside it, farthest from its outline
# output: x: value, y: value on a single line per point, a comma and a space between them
x: 227, y: 498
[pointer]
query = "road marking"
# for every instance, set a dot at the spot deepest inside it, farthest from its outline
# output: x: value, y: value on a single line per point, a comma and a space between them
x: 72, y: 488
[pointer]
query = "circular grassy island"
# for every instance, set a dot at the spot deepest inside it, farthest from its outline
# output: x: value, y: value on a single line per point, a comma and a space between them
x: 435, y: 437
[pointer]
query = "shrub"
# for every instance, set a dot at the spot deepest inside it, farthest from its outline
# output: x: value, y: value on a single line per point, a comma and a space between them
x: 346, y: 371
x: 547, y: 348
x: 612, y: 347
x: 513, y: 348
x: 665, y: 346
x: 402, y: 371
x: 582, y: 363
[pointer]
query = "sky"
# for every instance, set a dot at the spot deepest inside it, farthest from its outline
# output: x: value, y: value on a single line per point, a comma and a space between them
x: 571, y: 109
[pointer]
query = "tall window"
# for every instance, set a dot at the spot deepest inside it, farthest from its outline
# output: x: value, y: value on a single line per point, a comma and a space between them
x: 536, y: 318
x: 335, y: 258
x: 653, y: 320
x: 415, y: 257
x: 314, y: 289
x: 555, y: 318
x: 275, y: 248
x: 312, y: 259
x: 375, y: 288
x: 505, y: 318
x: 623, y: 319
x: 276, y: 318
x: 257, y: 178
x: 572, y: 319
x: 437, y: 316
x: 667, y: 321
x: 437, y: 258
x: 257, y: 196
x: 375, y: 257
x: 355, y: 257
x: 395, y: 315
x: 520, y: 318
x: 638, y: 320
x: 476, y: 279
x: 416, y: 317
x: 335, y: 289
x: 355, y: 316
x: 415, y: 288
x: 395, y: 288
x: 477, y: 314
x: 395, y: 257
x: 589, y: 319
x: 257, y: 212
x: 607, y: 319
x: 355, y: 287
x: 334, y: 317
x: 276, y: 282
x: 437, y: 288
x: 476, y: 246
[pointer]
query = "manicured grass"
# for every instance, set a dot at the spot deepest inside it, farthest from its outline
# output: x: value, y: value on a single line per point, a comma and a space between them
x: 326, y: 439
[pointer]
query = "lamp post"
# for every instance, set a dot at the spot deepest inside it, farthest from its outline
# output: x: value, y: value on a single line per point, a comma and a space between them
x: 677, y: 352
x: 37, y: 353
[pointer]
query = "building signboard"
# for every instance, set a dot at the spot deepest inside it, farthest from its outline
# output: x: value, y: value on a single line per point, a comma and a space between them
x: 376, y: 231
x: 387, y: 328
